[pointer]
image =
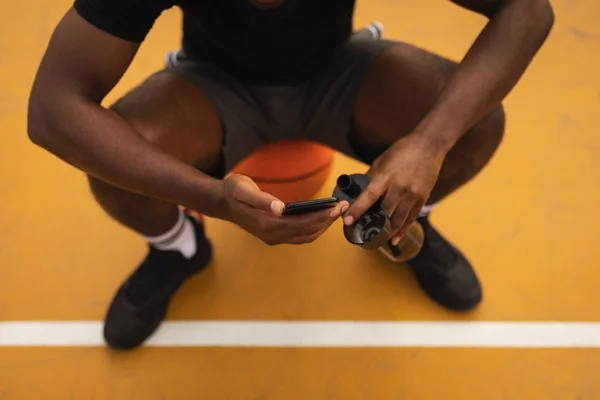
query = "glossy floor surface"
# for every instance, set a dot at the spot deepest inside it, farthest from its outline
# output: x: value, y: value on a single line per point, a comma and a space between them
x: 529, y: 223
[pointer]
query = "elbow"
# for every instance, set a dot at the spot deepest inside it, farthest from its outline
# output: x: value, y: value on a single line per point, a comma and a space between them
x: 544, y: 14
x: 542, y: 11
x: 548, y: 12
x: 35, y: 135
x: 35, y: 128
x: 538, y: 13
x: 38, y: 121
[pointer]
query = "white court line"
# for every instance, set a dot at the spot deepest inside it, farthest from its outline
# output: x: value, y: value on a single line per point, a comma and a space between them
x: 317, y: 334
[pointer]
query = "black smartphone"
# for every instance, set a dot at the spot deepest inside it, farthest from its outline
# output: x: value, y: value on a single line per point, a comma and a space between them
x: 308, y: 206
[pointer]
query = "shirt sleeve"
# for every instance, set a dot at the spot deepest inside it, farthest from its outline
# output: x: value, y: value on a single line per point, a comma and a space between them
x: 128, y: 19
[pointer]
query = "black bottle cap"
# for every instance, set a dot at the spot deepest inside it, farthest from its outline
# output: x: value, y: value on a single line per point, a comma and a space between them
x: 348, y: 186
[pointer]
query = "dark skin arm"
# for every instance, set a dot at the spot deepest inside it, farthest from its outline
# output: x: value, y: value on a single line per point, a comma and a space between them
x: 81, y: 65
x: 491, y: 68
x: 406, y: 173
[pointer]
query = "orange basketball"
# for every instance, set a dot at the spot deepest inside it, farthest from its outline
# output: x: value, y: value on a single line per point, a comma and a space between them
x: 291, y: 170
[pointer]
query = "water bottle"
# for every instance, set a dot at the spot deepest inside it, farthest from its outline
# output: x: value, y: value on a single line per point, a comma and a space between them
x: 372, y: 230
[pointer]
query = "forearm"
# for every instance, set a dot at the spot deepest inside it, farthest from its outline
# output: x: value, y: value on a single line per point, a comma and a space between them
x: 489, y: 71
x: 102, y: 144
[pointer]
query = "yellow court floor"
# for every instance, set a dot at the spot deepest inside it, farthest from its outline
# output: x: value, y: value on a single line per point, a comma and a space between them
x: 529, y: 223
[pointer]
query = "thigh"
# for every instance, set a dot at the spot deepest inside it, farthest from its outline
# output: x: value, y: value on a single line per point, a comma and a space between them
x: 372, y: 93
x: 377, y: 91
x: 174, y: 114
x: 197, y: 113
x: 402, y: 85
x: 330, y: 96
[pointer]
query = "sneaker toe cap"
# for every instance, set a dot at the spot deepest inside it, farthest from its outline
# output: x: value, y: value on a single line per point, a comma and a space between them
x: 462, y: 291
x: 126, y: 327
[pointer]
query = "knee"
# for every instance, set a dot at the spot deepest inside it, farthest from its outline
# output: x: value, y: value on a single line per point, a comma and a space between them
x: 139, y: 116
x: 477, y: 147
x: 129, y: 109
x: 125, y: 107
x: 120, y: 203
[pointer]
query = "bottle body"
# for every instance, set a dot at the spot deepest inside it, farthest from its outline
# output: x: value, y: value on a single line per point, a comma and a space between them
x: 372, y: 230
x: 408, y: 247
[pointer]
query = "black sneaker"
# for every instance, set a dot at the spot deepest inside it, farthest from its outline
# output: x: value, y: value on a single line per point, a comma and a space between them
x: 444, y: 273
x: 141, y: 303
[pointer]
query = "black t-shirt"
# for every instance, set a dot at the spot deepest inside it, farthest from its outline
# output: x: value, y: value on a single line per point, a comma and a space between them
x: 281, y: 45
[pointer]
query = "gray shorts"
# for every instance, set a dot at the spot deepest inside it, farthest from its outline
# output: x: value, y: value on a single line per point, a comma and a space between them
x: 320, y: 109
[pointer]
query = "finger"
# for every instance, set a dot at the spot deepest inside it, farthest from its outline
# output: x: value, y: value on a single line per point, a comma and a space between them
x: 248, y: 192
x: 316, y: 217
x: 307, y: 238
x: 296, y: 226
x: 339, y: 209
x: 306, y: 224
x: 365, y: 200
x: 370, y: 172
x: 412, y: 216
x: 400, y: 214
x: 391, y: 200
x: 409, y: 221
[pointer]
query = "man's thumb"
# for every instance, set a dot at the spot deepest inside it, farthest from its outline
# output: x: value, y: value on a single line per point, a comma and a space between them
x: 256, y: 198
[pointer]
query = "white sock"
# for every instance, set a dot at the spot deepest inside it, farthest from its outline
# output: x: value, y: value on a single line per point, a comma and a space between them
x: 376, y: 29
x: 181, y: 237
x: 426, y: 210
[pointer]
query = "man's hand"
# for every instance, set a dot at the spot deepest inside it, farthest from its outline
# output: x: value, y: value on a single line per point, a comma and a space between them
x: 260, y: 213
x: 404, y: 175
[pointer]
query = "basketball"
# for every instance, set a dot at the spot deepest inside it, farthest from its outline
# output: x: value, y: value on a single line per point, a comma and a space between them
x: 291, y: 170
